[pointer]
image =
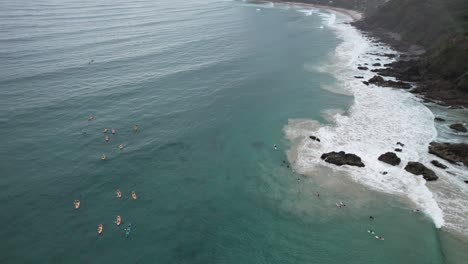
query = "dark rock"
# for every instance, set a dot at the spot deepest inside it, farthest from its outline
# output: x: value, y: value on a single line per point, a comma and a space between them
x: 314, y: 138
x: 398, y: 150
x: 438, y: 164
x: 458, y: 127
x: 366, y: 83
x: 384, y: 173
x: 439, y: 119
x: 452, y: 153
x: 377, y: 59
x: 466, y: 181
x: 366, y: 63
x: 362, y: 68
x: 342, y: 158
x: 359, y: 77
x: 376, y: 64
x: 379, y: 81
x: 390, y: 158
x: 419, y: 169
x: 400, y: 144
x: 402, y: 70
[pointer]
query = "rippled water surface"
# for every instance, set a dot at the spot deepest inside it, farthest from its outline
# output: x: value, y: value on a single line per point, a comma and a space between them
x: 211, y: 85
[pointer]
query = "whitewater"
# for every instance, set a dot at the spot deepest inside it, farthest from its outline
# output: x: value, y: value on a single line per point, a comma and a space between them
x: 377, y: 120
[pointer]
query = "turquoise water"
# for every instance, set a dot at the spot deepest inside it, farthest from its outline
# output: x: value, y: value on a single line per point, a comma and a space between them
x: 211, y: 85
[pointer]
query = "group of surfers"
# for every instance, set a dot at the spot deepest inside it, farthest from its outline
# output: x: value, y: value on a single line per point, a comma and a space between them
x: 118, y: 219
x: 106, y: 137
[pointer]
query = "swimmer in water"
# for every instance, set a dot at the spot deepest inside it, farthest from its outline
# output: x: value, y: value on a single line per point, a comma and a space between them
x: 135, y: 128
x: 105, y: 130
x: 371, y: 217
x: 77, y: 204
x: 106, y: 138
x: 318, y: 194
x: 276, y: 147
x: 118, y: 220
x: 370, y: 231
x: 134, y: 197
x: 103, y: 157
x: 113, y: 131
x: 121, y: 147
x: 380, y: 237
x: 118, y: 193
x: 100, y: 228
x: 90, y: 118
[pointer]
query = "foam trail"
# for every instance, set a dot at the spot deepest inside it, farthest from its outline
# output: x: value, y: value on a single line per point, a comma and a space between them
x: 378, y: 119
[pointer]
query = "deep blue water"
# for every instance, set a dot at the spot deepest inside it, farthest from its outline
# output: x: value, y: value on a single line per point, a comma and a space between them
x: 211, y: 85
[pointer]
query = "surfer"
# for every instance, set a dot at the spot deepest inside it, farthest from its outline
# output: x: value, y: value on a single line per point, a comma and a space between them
x: 380, y: 237
x: 318, y: 194
x: 77, y: 204
x: 90, y: 118
x: 276, y: 147
x: 135, y: 128
x: 99, y: 229
x: 118, y: 193
x: 121, y: 147
x: 134, y: 196
x: 118, y: 220
x: 113, y: 131
x: 371, y: 217
x: 128, y: 229
x: 106, y: 138
x: 105, y: 130
x: 370, y: 231
x: 103, y: 157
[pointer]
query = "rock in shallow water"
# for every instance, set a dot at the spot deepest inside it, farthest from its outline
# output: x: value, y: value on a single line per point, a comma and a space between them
x: 419, y: 169
x: 342, y: 158
x: 450, y: 152
x: 379, y: 81
x: 390, y: 158
x: 438, y: 164
x: 458, y: 127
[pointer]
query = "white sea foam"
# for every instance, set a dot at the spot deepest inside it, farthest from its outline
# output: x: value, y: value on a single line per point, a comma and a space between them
x: 378, y: 119
x: 308, y: 12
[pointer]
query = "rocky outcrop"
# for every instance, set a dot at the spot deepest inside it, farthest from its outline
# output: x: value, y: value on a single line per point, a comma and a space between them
x: 359, y: 77
x: 379, y: 81
x: 452, y: 153
x: 439, y: 119
x: 376, y: 64
x: 458, y: 127
x: 398, y: 150
x: 362, y: 68
x: 390, y: 158
x: 417, y: 168
x: 342, y: 158
x: 438, y: 164
x: 314, y: 138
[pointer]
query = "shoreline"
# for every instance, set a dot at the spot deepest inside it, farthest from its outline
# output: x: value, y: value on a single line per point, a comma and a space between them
x: 353, y: 14
x: 436, y: 208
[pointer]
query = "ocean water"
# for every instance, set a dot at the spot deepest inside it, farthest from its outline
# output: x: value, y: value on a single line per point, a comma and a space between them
x: 213, y: 86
